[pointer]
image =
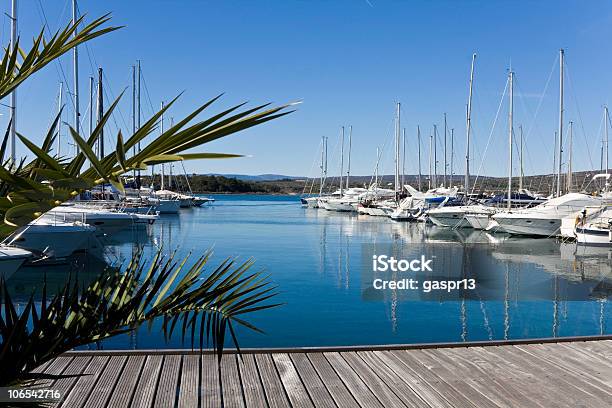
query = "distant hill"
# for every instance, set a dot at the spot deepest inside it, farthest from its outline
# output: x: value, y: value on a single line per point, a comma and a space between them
x: 258, y: 177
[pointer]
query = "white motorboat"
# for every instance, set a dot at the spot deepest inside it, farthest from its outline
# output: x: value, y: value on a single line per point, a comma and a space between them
x: 11, y: 259
x: 167, y: 206
x: 199, y: 201
x: 105, y: 221
x: 52, y: 238
x: 596, y: 228
x: 478, y: 220
x: 413, y: 207
x: 184, y: 200
x: 348, y: 202
x: 545, y: 219
x: 456, y: 216
x: 312, y: 202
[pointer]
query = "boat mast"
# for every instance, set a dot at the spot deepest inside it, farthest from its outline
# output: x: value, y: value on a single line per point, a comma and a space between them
x: 521, y: 158
x: 510, y: 129
x: 403, y: 157
x: 91, y: 93
x: 560, y: 134
x: 348, y: 170
x: 170, y: 165
x: 606, y: 118
x: 430, y: 157
x: 161, y: 132
x: 59, y: 122
x: 75, y: 61
x: 134, y: 113
x: 445, y: 157
x: 419, y: 144
x: 325, y: 178
x: 138, y: 117
x: 468, y: 129
x: 322, y: 163
x: 435, y: 152
x: 100, y: 114
x: 341, y: 156
x: 554, y: 169
x: 14, y: 92
x: 397, y: 150
x: 569, y: 165
x: 452, y: 170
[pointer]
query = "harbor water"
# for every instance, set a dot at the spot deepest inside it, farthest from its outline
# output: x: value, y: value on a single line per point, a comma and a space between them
x: 321, y: 262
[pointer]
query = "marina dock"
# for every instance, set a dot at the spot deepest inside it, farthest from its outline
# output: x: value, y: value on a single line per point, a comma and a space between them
x: 569, y: 372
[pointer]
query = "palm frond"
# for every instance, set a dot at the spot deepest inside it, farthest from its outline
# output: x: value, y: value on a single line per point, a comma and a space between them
x: 117, y: 302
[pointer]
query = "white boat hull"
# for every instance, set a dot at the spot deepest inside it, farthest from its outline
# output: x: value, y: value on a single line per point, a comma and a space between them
x: 58, y: 241
x: 11, y: 260
x: 543, y: 227
x: 168, y: 207
x: 594, y: 236
x: 342, y: 206
x: 478, y: 221
x: 450, y: 220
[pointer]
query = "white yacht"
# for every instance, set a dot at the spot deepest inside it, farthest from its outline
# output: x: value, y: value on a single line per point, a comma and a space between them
x: 11, y: 258
x: 595, y: 228
x: 184, y: 200
x: 456, y: 216
x: 55, y: 239
x: 545, y: 219
x: 105, y: 221
x: 347, y: 202
x: 412, y: 207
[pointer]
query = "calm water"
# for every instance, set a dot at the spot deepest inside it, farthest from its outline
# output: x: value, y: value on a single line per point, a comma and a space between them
x: 530, y: 287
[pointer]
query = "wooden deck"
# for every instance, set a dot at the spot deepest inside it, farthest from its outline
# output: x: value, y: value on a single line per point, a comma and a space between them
x: 559, y: 374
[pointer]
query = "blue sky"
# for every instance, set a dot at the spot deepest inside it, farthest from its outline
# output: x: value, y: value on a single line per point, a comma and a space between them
x: 349, y: 61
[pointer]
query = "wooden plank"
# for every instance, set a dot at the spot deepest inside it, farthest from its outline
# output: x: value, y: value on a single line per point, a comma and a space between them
x: 105, y: 385
x: 427, y: 392
x: 126, y: 386
x: 231, y: 389
x: 147, y: 383
x: 76, y: 367
x: 189, y: 393
x: 409, y: 397
x: 536, y: 388
x: 446, y: 390
x: 599, y: 349
x: 356, y: 386
x: 504, y: 392
x: 315, y: 388
x: 381, y: 391
x: 55, y: 367
x: 596, y: 360
x: 574, y: 386
x: 86, y: 383
x: 167, y: 387
x: 569, y: 363
x: 337, y: 389
x: 211, y: 391
x: 273, y: 387
x: 254, y: 394
x: 291, y: 381
x: 456, y: 380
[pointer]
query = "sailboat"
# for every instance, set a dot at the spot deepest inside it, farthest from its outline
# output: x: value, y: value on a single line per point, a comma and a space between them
x: 384, y: 202
x: 454, y: 216
x: 546, y: 219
